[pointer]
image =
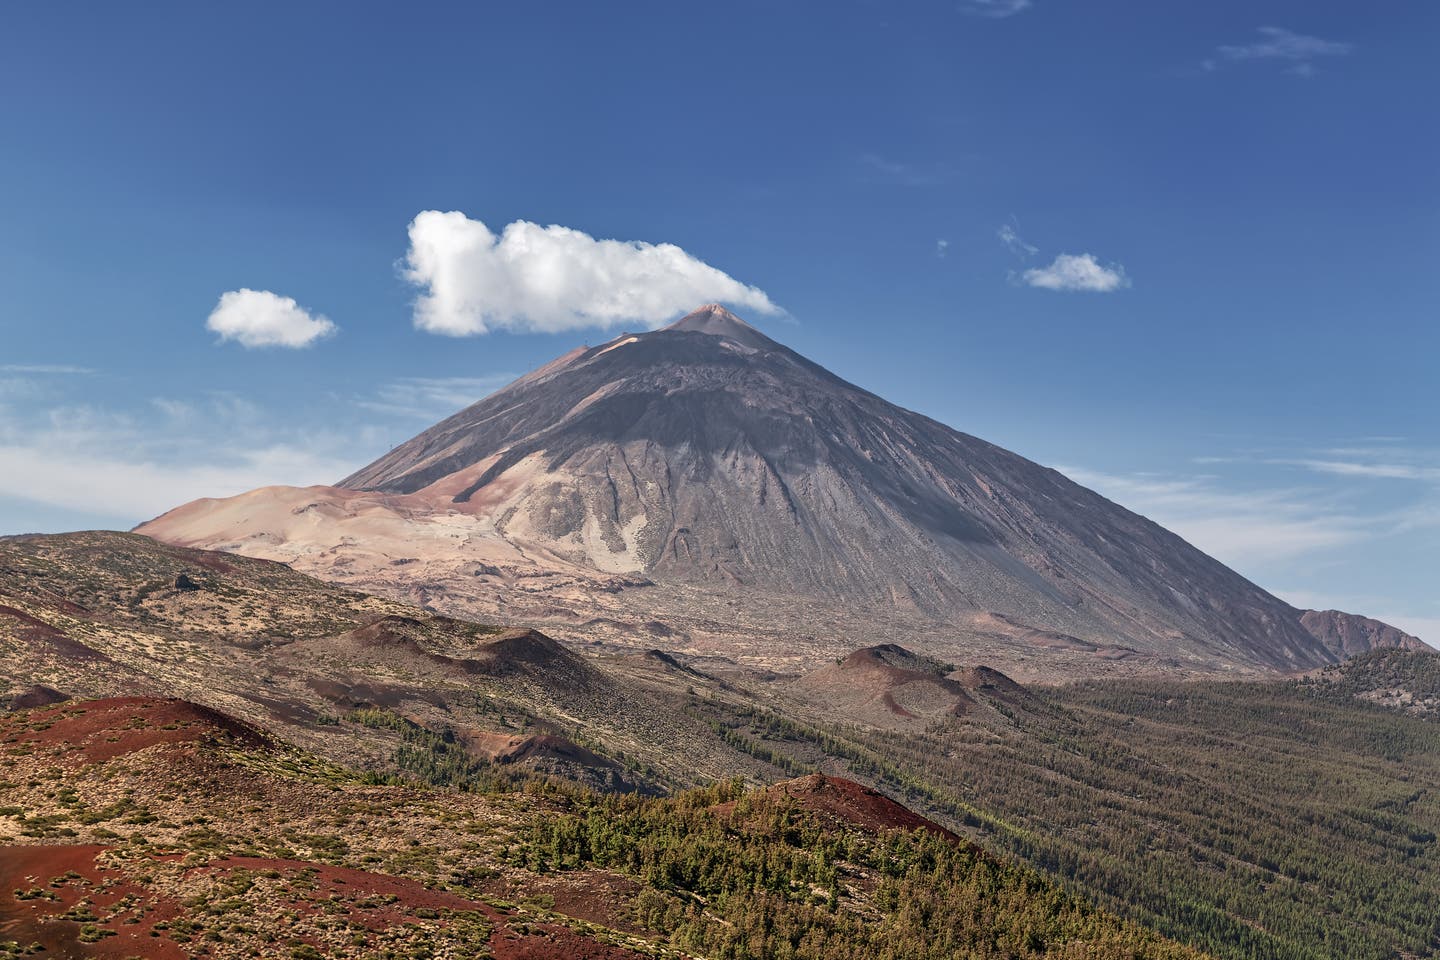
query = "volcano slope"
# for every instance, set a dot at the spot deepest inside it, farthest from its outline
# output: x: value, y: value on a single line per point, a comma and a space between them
x: 706, y: 476
x: 158, y: 828
x: 1258, y: 819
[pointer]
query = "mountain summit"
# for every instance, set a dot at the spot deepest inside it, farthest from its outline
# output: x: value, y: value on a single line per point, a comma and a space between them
x: 719, y: 322
x: 717, y: 465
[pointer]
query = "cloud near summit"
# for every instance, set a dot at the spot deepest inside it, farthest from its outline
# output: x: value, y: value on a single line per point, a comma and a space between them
x: 548, y: 279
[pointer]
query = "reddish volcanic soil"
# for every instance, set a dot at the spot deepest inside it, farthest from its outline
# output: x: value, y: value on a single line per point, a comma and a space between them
x: 374, y: 901
x: 855, y: 805
x: 549, y: 941
x: 84, y: 901
x: 100, y: 730
x: 401, y: 897
x: 38, y: 919
x: 50, y: 895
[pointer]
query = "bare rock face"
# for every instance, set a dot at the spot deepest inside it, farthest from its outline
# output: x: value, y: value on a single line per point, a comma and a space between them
x: 708, y: 460
x: 1349, y: 634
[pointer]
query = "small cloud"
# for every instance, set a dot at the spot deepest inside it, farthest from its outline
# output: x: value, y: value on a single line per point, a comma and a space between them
x: 1077, y: 272
x: 549, y: 279
x: 1277, y: 44
x: 45, y: 368
x: 259, y: 318
x: 941, y: 246
x: 994, y: 9
x: 1013, y: 242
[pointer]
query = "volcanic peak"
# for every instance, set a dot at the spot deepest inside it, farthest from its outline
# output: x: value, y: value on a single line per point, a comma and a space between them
x: 705, y: 456
x: 716, y: 321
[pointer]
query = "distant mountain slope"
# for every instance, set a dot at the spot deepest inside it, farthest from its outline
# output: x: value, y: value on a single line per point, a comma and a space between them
x: 706, y: 455
x: 1349, y: 634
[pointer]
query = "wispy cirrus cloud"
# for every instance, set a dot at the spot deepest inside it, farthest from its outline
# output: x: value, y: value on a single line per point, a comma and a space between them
x: 36, y: 381
x: 1365, y: 468
x: 133, y: 465
x: 1009, y: 236
x: 994, y: 9
x: 1238, y: 527
x: 60, y: 369
x: 1307, y: 516
x: 431, y: 398
x: 136, y: 489
x: 1297, y: 51
x: 118, y: 464
x: 1376, y: 457
x: 907, y: 173
x: 19, y: 388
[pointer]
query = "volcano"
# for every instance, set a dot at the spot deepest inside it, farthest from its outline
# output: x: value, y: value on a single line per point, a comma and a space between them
x: 705, y: 465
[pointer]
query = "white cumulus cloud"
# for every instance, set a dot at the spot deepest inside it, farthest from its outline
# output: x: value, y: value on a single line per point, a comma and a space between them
x: 259, y: 318
x: 549, y: 279
x: 1081, y: 271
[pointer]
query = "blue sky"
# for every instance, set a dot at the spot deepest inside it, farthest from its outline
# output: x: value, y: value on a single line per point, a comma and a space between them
x: 1185, y: 252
